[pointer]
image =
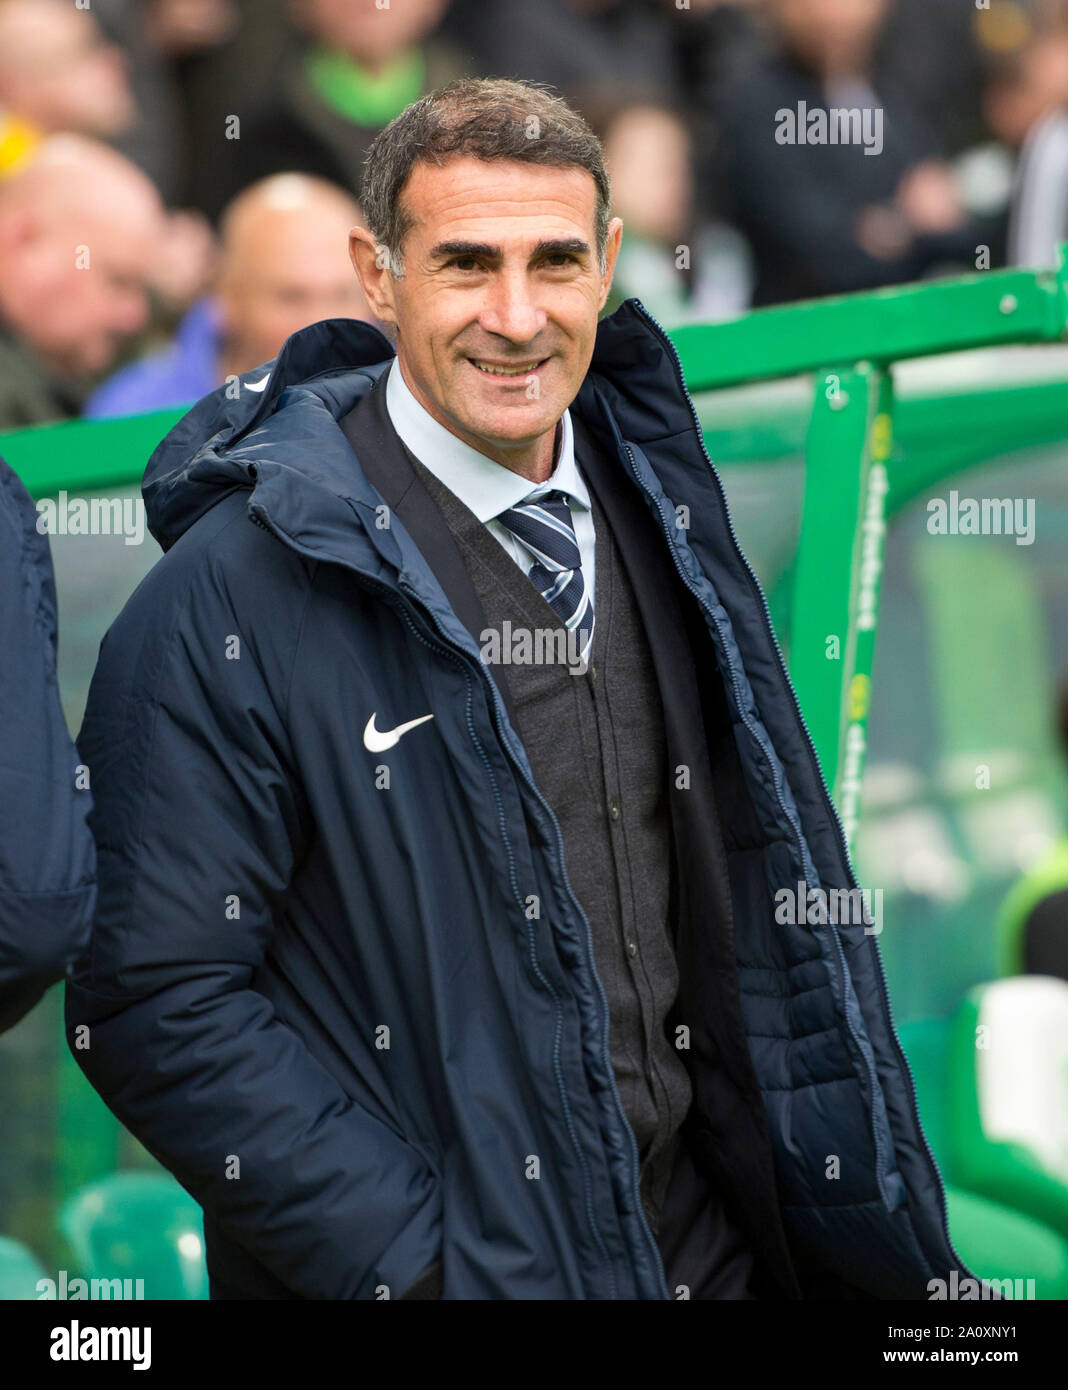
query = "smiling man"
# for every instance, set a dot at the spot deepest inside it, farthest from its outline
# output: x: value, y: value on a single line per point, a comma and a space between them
x: 434, y: 976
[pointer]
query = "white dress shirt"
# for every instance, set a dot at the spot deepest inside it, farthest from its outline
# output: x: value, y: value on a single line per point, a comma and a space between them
x: 488, y: 488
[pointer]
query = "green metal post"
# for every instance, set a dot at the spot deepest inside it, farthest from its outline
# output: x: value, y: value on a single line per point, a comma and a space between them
x: 840, y: 558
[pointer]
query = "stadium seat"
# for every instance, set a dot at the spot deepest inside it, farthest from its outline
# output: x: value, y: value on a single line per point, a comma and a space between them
x: 138, y: 1226
x: 994, y: 1240
x: 1007, y: 1113
x: 998, y: 1244
x: 20, y: 1270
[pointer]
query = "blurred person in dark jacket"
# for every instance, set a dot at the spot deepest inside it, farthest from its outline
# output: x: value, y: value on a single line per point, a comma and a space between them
x: 47, y: 857
x: 836, y: 182
x: 360, y: 66
x: 283, y: 266
x: 160, y: 41
x: 79, y: 229
x: 683, y: 267
x: 1025, y: 98
x: 592, y: 50
x: 711, y: 41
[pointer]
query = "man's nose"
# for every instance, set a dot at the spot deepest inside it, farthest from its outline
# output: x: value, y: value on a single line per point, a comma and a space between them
x: 509, y: 310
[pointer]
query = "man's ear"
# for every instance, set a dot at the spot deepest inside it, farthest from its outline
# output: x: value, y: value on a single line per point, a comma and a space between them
x: 611, y: 252
x: 371, y: 264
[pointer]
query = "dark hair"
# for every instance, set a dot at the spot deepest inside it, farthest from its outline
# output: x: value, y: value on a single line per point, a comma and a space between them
x: 487, y: 118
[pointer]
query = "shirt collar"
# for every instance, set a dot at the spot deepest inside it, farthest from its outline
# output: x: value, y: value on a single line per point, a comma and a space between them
x: 485, y: 487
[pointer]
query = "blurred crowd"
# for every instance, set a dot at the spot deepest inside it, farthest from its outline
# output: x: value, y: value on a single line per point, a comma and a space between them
x: 177, y: 177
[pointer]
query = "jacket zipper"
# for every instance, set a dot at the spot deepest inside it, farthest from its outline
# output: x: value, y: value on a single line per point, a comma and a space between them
x: 499, y: 713
x: 449, y: 649
x: 880, y: 1160
x: 814, y: 760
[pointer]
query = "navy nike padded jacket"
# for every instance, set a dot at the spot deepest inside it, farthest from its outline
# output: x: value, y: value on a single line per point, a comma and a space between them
x: 348, y: 997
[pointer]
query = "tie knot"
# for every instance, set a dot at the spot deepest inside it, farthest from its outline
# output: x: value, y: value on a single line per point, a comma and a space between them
x: 555, y: 502
x: 543, y: 524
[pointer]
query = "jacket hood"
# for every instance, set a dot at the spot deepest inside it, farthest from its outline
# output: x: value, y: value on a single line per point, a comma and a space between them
x: 251, y: 429
x: 275, y: 427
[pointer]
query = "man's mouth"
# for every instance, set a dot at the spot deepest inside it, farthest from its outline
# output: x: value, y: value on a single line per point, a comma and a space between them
x: 507, y: 368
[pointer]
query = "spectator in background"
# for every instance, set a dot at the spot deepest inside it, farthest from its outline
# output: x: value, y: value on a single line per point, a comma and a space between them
x: 360, y: 66
x: 182, y: 27
x: 932, y: 52
x: 828, y: 218
x: 60, y: 72
x: 284, y: 265
x: 592, y: 50
x: 212, y: 82
x: 159, y: 40
x: 1025, y: 99
x: 56, y: 74
x: 79, y: 226
x: 711, y: 40
x: 679, y: 267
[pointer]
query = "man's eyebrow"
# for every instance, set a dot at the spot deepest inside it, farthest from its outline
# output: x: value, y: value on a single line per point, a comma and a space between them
x: 557, y: 246
x: 465, y: 248
x: 483, y: 251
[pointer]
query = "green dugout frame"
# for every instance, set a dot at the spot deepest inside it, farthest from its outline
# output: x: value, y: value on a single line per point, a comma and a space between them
x: 867, y: 454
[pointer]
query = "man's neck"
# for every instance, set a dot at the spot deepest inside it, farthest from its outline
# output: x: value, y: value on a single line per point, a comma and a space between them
x: 536, y: 468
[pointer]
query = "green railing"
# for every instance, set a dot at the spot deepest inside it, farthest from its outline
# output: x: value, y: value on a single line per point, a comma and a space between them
x: 850, y: 344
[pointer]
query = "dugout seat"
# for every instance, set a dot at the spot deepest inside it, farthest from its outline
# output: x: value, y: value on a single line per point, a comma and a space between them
x: 1007, y: 1115
x: 995, y: 1236
x: 133, y: 1225
x: 20, y: 1270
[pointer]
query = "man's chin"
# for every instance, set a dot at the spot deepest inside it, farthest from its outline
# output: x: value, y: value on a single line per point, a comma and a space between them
x: 512, y: 429
x: 510, y: 411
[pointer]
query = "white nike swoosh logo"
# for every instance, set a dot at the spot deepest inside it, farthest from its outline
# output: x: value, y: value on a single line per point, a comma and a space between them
x: 378, y: 740
x: 257, y: 385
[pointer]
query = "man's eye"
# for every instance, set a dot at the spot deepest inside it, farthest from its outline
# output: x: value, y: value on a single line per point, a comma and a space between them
x: 560, y: 258
x: 463, y: 263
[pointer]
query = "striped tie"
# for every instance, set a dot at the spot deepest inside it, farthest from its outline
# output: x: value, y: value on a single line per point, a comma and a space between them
x: 544, y: 527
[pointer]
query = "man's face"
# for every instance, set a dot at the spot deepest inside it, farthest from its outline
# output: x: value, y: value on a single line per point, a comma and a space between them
x: 496, y: 312
x: 79, y: 310
x: 368, y: 31
x: 831, y: 35
x: 290, y: 275
x: 57, y: 72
